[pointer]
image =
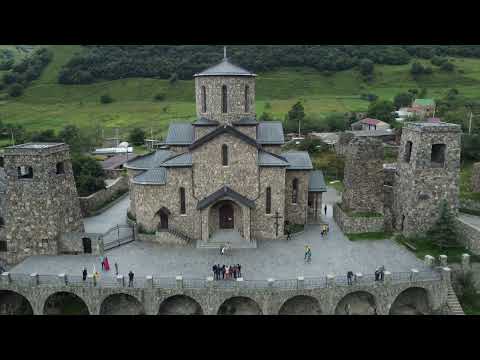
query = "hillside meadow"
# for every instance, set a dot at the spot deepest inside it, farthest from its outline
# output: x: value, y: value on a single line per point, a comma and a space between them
x: 47, y: 104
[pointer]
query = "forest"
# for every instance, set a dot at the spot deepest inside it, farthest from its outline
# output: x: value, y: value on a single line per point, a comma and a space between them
x: 111, y: 62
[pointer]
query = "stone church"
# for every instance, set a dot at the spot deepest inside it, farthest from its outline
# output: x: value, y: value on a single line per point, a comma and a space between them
x: 224, y: 177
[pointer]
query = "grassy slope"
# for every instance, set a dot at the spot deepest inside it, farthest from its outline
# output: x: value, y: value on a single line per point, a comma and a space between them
x: 47, y: 104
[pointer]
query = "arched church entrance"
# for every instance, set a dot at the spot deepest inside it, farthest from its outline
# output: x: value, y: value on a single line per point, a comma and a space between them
x: 12, y: 303
x: 239, y: 306
x: 413, y: 301
x: 226, y: 215
x: 180, y: 305
x: 87, y: 245
x: 121, y: 304
x: 163, y: 215
x: 65, y: 303
x: 357, y: 303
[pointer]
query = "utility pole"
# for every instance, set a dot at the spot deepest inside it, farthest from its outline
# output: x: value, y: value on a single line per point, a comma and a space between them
x: 13, y: 139
x: 470, y: 124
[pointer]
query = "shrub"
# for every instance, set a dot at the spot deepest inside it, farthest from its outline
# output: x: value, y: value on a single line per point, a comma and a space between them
x: 448, y: 67
x: 159, y: 97
x: 9, y: 78
x: 137, y: 136
x: 15, y: 90
x: 106, y: 99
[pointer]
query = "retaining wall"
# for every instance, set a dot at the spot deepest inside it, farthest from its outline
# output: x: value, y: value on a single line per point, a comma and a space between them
x: 471, y: 236
x: 92, y: 203
x: 357, y: 225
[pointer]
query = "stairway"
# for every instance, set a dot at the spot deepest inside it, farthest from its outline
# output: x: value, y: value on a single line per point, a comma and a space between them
x: 453, y: 303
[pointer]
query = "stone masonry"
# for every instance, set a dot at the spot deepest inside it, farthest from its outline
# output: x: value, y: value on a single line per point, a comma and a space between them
x: 41, y: 207
x: 476, y: 178
x: 428, y: 173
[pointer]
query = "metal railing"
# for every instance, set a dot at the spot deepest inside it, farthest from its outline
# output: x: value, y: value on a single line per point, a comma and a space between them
x: 109, y: 281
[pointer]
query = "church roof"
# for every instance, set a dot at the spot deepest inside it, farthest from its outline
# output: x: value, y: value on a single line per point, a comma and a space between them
x: 203, y: 121
x: 225, y: 68
x: 247, y: 120
x: 182, y: 160
x: 317, y: 182
x: 180, y: 134
x: 298, y: 160
x: 152, y: 177
x: 223, y: 130
x: 149, y: 161
x: 270, y: 133
x: 224, y: 192
x: 268, y: 159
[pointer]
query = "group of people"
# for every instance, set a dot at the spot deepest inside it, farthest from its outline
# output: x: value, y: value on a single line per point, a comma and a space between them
x: 106, y: 267
x: 227, y: 272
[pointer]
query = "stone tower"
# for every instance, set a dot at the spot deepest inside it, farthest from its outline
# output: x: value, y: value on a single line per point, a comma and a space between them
x: 364, y: 176
x: 41, y: 199
x: 225, y: 93
x: 428, y: 172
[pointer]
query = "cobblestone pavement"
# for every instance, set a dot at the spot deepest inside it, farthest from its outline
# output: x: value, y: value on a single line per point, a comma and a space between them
x: 116, y: 215
x: 471, y: 219
x: 272, y: 259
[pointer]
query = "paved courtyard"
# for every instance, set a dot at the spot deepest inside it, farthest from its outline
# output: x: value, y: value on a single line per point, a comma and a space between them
x: 116, y: 215
x: 272, y: 259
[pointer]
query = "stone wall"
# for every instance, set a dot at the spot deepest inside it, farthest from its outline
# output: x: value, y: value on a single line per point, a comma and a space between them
x: 364, y: 176
x: 154, y: 197
x: 356, y: 224
x: 420, y: 185
x: 476, y: 178
x: 250, y: 131
x: 71, y: 243
x: 263, y: 224
x: 90, y: 204
x: 296, y: 213
x: 131, y: 174
x: 201, y: 131
x: 211, y: 299
x: 470, y: 204
x: 470, y: 236
x: 235, y: 93
x: 40, y: 209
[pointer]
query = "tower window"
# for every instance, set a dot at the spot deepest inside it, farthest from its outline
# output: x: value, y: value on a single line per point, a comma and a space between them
x: 268, y: 204
x: 224, y: 99
x: 3, y: 246
x: 183, y: 210
x: 247, y: 104
x: 2, y: 162
x: 25, y: 172
x: 204, y: 99
x: 438, y: 155
x: 60, y: 168
x: 295, y: 191
x: 224, y: 155
x: 408, y: 151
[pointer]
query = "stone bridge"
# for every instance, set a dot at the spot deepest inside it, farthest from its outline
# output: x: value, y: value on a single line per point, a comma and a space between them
x: 412, y: 294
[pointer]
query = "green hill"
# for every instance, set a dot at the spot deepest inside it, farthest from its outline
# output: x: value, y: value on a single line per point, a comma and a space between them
x: 48, y: 104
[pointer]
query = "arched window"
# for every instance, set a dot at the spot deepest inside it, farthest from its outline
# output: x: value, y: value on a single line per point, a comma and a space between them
x: 224, y: 155
x: 224, y: 99
x: 247, y: 104
x: 183, y: 209
x: 295, y: 191
x: 204, y: 99
x: 268, y: 205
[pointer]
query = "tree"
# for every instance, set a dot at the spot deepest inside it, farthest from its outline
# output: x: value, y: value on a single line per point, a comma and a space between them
x: 137, y: 136
x: 88, y: 173
x: 417, y: 69
x: 266, y: 117
x: 403, y: 100
x: 9, y: 78
x: 45, y: 136
x: 106, y: 99
x: 448, y: 67
x: 366, y: 67
x: 336, y: 122
x: 382, y: 110
x: 159, y: 97
x: 444, y: 232
x: 173, y: 78
x: 296, y: 114
x: 471, y: 147
x: 15, y: 90
x: 78, y: 140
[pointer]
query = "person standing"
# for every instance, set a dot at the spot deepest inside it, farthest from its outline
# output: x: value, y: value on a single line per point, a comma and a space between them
x: 214, y: 269
x: 239, y: 270
x: 130, y: 278
x: 227, y: 272
x: 84, y: 274
x: 107, y: 265
x: 116, y: 269
x: 326, y: 208
x: 223, y: 272
x: 103, y: 262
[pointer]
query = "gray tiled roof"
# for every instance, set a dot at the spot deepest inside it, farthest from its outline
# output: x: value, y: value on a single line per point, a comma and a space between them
x: 180, y: 134
x: 203, y: 121
x: 298, y: 160
x: 247, y: 120
x: 270, y: 133
x: 268, y: 159
x: 182, y: 160
x: 152, y: 177
x: 150, y: 161
x: 225, y: 68
x: 317, y: 182
x: 225, y: 192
